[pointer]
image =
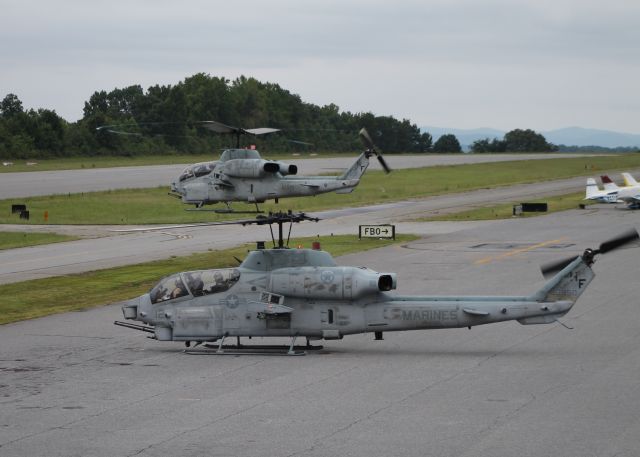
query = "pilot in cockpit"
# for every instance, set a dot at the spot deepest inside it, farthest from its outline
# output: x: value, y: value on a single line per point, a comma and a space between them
x: 220, y: 283
x: 195, y: 284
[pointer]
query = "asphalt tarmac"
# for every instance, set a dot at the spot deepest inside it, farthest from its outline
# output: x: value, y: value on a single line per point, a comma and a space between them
x: 28, y: 184
x: 75, y: 385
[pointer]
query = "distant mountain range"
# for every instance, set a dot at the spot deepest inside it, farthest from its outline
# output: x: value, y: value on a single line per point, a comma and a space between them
x: 569, y: 136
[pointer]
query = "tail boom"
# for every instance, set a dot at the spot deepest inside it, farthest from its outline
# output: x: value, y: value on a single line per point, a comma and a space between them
x: 552, y: 301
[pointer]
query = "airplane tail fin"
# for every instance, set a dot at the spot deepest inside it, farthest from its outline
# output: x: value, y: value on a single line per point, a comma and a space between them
x: 592, y: 188
x: 358, y: 168
x: 608, y: 183
x: 629, y: 180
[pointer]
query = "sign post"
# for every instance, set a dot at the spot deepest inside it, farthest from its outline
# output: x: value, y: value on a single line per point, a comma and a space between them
x: 377, y: 231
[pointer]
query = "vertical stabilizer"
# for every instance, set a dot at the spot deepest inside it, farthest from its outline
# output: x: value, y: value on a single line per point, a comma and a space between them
x: 568, y: 284
x: 608, y: 183
x: 629, y: 180
x: 592, y: 188
x: 358, y: 168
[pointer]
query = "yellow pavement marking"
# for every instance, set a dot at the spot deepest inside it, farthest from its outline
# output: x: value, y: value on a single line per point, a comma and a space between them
x: 486, y: 260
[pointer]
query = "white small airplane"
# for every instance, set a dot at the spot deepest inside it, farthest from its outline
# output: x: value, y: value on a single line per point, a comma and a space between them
x: 629, y: 194
x: 601, y: 196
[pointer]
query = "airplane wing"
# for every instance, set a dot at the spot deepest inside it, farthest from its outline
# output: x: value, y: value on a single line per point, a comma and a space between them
x: 633, y: 199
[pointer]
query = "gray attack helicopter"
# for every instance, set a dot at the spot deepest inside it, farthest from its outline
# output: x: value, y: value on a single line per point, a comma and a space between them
x: 242, y: 175
x: 294, y: 293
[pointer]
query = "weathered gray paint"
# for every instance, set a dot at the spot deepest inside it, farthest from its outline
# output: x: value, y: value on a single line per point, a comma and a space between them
x: 307, y: 286
x: 242, y: 177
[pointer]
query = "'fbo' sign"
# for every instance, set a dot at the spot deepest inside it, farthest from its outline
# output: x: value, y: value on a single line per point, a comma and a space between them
x: 377, y: 231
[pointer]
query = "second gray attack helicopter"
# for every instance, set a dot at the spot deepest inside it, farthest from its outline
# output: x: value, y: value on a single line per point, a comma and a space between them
x: 294, y: 293
x: 242, y: 175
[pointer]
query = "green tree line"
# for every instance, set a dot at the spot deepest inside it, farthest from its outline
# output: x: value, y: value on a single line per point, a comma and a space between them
x: 517, y: 140
x: 164, y: 120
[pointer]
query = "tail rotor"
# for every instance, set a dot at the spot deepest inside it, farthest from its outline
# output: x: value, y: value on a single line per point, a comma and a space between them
x: 371, y: 149
x: 551, y: 268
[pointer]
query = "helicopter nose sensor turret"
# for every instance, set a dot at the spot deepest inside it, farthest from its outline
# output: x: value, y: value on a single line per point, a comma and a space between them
x: 130, y: 308
x: 176, y: 188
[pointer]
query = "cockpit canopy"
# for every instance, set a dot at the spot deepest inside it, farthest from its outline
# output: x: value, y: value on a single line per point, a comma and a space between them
x: 197, y: 170
x: 195, y: 283
x: 231, y: 154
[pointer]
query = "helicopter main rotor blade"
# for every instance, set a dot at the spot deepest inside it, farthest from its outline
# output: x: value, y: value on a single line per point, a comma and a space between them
x: 304, y: 143
x: 261, y: 130
x: 219, y: 127
x: 171, y: 227
x: 271, y: 218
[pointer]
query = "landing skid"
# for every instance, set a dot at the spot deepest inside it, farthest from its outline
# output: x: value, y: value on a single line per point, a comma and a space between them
x: 227, y: 210
x: 252, y: 349
x: 231, y: 211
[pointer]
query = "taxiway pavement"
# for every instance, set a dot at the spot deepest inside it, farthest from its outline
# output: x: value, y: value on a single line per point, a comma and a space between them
x: 75, y: 385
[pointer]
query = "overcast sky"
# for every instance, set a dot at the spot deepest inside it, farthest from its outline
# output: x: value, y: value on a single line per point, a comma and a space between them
x: 540, y: 64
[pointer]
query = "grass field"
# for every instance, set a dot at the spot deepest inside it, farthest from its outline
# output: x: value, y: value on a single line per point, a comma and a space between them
x: 41, y: 297
x: 147, y: 206
x: 505, y: 210
x: 12, y: 240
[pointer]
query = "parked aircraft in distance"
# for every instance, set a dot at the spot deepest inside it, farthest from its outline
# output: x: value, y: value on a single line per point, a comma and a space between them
x: 629, y: 194
x: 601, y: 196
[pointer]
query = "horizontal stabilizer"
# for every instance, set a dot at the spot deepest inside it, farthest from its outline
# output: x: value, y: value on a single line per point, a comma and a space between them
x: 548, y: 319
x: 474, y: 312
